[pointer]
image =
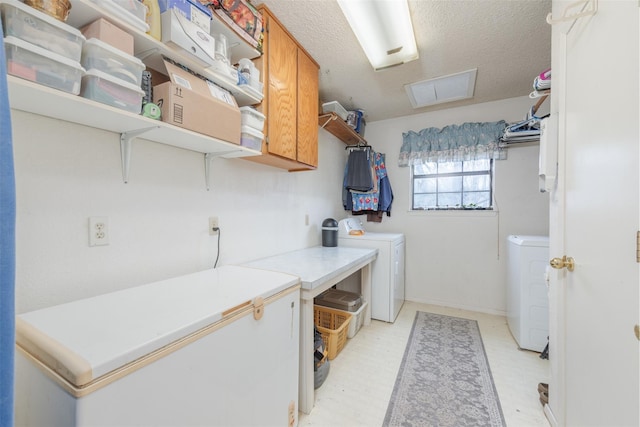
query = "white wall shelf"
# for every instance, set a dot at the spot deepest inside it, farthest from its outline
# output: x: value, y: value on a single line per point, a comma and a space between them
x: 38, y: 99
x: 150, y: 50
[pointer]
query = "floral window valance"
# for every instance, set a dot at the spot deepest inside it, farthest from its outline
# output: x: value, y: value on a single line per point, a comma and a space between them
x: 468, y: 141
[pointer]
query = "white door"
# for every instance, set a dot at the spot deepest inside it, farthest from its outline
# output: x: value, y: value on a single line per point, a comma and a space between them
x: 594, y: 353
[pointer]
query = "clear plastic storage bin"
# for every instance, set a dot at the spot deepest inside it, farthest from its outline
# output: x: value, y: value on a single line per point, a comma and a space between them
x: 99, y: 55
x: 38, y: 28
x: 335, y: 107
x: 101, y: 87
x: 133, y: 12
x: 252, y: 118
x: 251, y: 138
x: 38, y: 65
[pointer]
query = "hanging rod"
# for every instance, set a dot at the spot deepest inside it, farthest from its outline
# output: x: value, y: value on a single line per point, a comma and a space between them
x: 589, y: 7
x: 357, y: 146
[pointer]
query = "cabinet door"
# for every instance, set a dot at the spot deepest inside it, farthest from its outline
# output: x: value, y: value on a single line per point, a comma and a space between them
x: 282, y: 96
x: 307, y: 110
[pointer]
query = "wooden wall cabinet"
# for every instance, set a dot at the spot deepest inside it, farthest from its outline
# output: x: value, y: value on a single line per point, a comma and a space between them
x: 290, y: 103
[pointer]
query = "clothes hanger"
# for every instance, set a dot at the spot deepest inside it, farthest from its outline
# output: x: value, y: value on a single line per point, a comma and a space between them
x: 358, y: 146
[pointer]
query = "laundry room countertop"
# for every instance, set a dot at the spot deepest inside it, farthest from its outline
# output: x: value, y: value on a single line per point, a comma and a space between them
x: 317, y: 265
x: 319, y: 268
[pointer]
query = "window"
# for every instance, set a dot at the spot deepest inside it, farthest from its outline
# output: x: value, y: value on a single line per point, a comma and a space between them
x: 452, y: 185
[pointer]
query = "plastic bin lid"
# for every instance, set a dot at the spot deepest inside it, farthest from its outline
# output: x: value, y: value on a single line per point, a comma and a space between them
x: 14, y: 41
x: 251, y: 131
x: 123, y: 14
x: 93, y: 72
x: 87, y: 339
x: 44, y: 17
x: 330, y: 224
x: 113, y: 50
x: 541, y: 241
x: 252, y: 111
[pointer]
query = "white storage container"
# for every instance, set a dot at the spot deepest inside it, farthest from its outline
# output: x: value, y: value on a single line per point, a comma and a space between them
x: 335, y: 107
x: 133, y: 12
x: 218, y: 347
x: 99, y: 55
x: 38, y: 65
x: 252, y: 118
x: 179, y: 32
x: 106, y: 89
x: 134, y: 7
x: 38, y: 28
x: 251, y: 138
x: 357, y: 319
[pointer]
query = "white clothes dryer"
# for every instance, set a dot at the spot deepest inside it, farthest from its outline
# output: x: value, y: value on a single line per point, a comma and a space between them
x: 387, y: 273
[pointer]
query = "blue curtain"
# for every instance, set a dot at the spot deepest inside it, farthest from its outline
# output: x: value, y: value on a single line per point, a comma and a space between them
x: 468, y: 141
x: 7, y: 249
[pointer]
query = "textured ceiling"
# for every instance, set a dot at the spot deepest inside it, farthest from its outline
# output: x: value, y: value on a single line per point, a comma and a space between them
x: 508, y: 41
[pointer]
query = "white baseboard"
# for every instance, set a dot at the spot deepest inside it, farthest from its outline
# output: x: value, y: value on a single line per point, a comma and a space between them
x: 459, y: 306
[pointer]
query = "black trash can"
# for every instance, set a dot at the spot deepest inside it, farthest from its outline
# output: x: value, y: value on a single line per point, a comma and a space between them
x: 330, y: 232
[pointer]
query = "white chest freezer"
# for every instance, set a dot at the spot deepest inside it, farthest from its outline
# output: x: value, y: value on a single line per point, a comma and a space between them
x: 218, y: 347
x: 527, y: 293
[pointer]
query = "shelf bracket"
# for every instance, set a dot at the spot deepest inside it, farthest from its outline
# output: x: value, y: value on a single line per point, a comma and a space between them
x: 208, y: 159
x: 125, y: 148
x: 331, y: 117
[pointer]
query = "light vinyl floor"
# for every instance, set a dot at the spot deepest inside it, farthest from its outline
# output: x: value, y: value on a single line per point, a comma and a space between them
x: 362, y: 376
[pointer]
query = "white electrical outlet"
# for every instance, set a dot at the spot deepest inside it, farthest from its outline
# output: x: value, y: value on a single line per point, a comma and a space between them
x: 98, y: 231
x: 213, y: 224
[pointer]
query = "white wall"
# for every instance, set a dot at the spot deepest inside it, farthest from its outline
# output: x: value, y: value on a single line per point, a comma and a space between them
x: 457, y: 258
x: 158, y: 222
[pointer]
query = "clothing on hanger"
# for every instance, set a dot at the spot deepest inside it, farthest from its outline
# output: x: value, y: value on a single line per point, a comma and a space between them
x: 376, y: 202
x: 358, y: 172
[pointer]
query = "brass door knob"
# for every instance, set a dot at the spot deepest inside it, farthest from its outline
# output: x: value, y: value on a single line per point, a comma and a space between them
x: 563, y: 262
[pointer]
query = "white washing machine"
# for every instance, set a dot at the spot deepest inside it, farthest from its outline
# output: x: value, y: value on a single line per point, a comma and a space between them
x: 387, y: 273
x: 527, y: 292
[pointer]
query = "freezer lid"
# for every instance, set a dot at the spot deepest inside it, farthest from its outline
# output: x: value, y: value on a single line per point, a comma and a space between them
x: 539, y: 241
x: 86, y: 339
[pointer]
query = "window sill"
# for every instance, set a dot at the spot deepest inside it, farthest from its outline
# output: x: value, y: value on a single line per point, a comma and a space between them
x: 474, y: 213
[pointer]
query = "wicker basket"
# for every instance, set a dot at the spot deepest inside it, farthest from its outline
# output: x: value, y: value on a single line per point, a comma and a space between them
x: 334, y: 326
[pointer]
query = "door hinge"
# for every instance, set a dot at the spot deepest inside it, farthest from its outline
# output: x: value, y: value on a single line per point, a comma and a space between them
x: 638, y: 246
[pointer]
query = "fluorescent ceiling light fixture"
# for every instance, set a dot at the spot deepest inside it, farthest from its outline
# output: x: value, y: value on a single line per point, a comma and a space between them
x: 453, y: 87
x: 384, y: 30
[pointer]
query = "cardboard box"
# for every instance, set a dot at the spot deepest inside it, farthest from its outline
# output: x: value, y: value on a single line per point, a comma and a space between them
x: 194, y: 11
x: 192, y: 103
x: 109, y: 33
x: 180, y: 32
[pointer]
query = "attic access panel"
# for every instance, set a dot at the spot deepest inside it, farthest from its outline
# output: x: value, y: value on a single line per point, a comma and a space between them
x: 453, y: 87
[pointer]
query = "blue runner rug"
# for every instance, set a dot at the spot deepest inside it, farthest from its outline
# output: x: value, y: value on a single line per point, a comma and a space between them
x: 444, y: 378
